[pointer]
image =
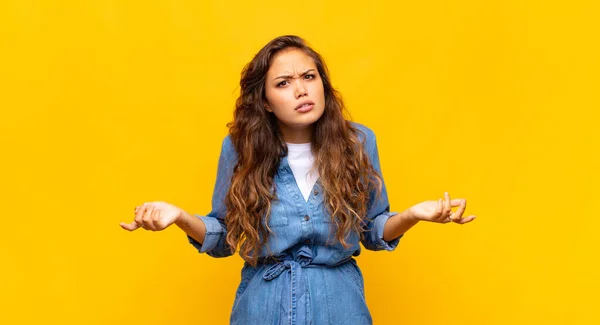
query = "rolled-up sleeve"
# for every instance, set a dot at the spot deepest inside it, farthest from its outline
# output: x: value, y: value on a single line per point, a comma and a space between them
x: 214, y: 243
x: 379, y: 207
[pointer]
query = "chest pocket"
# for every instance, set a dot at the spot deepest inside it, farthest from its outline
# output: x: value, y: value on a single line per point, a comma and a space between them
x: 279, y: 214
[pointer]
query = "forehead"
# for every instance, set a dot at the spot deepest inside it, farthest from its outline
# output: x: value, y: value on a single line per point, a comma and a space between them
x: 291, y: 61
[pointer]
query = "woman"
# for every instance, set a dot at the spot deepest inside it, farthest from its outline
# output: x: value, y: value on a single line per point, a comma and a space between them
x: 298, y: 188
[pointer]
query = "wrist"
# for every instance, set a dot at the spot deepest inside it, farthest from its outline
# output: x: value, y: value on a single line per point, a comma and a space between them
x: 410, y: 216
x: 181, y: 217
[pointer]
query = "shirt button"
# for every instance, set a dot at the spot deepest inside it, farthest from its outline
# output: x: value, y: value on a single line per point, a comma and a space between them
x: 316, y: 192
x: 307, y: 241
x: 306, y: 218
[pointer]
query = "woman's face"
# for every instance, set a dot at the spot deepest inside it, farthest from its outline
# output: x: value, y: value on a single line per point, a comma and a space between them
x: 294, y: 91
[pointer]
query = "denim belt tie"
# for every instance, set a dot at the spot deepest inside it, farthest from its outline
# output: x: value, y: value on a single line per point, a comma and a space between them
x: 302, y: 259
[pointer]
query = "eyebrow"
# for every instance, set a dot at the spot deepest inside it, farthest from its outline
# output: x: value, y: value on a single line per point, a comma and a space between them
x: 288, y: 76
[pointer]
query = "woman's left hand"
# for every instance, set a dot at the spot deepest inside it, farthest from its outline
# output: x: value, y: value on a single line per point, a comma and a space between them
x: 440, y: 211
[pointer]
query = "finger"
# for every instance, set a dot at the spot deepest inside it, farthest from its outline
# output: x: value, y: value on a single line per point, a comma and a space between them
x: 443, y: 216
x: 455, y: 216
x: 439, y: 209
x: 138, y: 209
x: 445, y: 209
x: 447, y: 205
x: 140, y: 214
x: 129, y: 226
x: 156, y: 219
x: 147, y: 219
x: 468, y: 219
x: 456, y: 202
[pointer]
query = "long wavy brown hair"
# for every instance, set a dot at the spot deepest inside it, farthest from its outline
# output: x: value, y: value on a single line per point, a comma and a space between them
x: 345, y: 172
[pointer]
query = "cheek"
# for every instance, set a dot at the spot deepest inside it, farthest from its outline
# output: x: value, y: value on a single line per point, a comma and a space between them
x: 273, y: 98
x: 280, y: 106
x: 280, y: 101
x: 318, y: 88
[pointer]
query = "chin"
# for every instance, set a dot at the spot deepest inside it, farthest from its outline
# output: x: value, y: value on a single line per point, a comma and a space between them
x: 311, y: 117
x: 302, y: 122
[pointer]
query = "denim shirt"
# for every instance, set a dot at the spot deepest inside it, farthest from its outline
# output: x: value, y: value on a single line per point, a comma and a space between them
x: 301, y: 240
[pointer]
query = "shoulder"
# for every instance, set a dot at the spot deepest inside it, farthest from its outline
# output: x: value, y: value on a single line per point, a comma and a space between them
x: 227, y: 143
x: 365, y: 130
x: 365, y: 135
x: 227, y: 148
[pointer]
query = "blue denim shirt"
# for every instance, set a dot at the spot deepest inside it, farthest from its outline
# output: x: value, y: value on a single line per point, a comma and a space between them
x: 316, y: 281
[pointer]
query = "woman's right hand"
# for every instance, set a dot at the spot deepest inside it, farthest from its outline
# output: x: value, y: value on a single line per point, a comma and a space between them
x: 154, y: 216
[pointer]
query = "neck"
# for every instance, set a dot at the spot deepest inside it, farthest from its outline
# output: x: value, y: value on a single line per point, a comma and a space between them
x: 296, y: 135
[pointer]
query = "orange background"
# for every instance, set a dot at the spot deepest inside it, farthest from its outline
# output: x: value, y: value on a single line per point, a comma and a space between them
x: 109, y: 104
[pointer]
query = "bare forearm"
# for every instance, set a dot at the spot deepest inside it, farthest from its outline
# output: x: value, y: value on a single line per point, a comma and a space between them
x: 192, y: 226
x: 397, y: 225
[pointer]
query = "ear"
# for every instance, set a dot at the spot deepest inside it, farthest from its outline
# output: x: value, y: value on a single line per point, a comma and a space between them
x: 267, y: 108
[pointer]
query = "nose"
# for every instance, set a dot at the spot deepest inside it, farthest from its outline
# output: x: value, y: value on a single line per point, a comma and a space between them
x: 300, y: 89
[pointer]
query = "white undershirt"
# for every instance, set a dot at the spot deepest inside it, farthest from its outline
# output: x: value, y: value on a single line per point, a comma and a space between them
x: 301, y: 161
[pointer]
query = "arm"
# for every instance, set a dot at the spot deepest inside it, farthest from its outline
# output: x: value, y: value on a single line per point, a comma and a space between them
x: 439, y: 211
x: 392, y: 227
x: 380, y: 220
x: 208, y: 233
x: 192, y: 226
x: 397, y: 225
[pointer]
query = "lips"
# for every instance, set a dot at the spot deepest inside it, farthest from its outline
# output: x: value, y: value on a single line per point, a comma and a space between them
x: 305, y: 104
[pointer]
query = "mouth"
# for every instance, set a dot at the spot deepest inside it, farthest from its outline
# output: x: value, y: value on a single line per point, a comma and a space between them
x: 305, y: 106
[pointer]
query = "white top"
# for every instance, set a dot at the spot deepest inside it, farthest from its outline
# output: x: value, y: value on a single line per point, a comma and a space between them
x: 301, y: 161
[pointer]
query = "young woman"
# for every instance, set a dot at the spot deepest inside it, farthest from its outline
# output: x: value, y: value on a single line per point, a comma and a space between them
x: 298, y: 189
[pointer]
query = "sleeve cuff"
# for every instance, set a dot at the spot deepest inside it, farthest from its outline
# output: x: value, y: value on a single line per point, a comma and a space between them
x: 214, y: 231
x: 379, y: 224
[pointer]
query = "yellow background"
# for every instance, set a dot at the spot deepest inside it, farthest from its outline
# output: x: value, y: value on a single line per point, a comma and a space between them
x: 109, y: 104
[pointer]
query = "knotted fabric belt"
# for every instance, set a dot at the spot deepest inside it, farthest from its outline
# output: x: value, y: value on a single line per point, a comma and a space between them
x: 297, y: 284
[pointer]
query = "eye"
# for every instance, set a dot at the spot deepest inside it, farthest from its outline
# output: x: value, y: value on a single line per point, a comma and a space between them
x: 281, y: 84
x: 309, y: 76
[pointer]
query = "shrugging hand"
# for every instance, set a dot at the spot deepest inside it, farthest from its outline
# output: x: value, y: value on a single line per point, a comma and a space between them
x: 440, y: 211
x: 153, y: 216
